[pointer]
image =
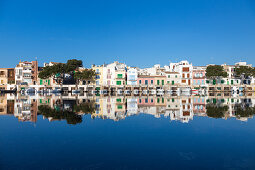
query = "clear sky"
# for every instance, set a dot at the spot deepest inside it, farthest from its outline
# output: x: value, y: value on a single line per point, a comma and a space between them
x: 138, y: 32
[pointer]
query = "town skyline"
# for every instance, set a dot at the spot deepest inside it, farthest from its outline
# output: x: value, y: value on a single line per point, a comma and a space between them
x: 86, y: 65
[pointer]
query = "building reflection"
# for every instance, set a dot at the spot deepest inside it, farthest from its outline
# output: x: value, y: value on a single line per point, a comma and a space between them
x: 175, y: 108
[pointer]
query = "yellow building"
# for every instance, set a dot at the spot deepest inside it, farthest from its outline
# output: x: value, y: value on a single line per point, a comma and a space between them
x: 120, y: 76
x: 99, y: 75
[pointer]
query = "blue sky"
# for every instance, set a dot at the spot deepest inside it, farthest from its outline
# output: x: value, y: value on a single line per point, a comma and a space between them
x: 139, y: 33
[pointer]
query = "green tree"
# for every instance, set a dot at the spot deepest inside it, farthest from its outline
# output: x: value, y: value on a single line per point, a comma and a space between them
x: 60, y: 69
x: 69, y: 116
x: 244, y: 72
x: 215, y: 71
x: 87, y: 74
x: 215, y: 111
x: 244, y: 111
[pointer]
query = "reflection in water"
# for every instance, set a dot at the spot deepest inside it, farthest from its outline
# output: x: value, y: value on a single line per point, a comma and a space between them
x: 71, y: 107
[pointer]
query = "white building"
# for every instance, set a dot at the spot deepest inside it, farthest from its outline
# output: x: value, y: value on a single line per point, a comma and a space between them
x: 184, y: 68
x: 132, y: 75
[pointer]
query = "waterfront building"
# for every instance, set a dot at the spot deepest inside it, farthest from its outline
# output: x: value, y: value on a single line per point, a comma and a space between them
x: 132, y: 106
x: 132, y: 76
x: 7, y: 77
x: 6, y: 105
x: 26, y: 110
x: 146, y: 80
x: 26, y: 73
x: 160, y: 81
x: 111, y: 72
x: 185, y: 69
x: 99, y: 75
x: 199, y: 77
x: 172, y: 78
x: 199, y: 105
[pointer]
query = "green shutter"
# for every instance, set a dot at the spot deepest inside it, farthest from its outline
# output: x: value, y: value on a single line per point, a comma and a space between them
x: 119, y: 107
x: 48, y: 82
x: 214, y: 82
x: 118, y: 82
x: 157, y: 82
x: 163, y: 82
x: 41, y: 82
x: 172, y: 82
x: 119, y: 75
x: 118, y: 100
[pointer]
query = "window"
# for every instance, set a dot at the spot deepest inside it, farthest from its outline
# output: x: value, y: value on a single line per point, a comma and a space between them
x: 151, y: 100
x: 140, y: 81
x: 118, y: 82
x: 119, y: 107
x: 146, y: 100
x: 168, y: 76
x: 175, y: 76
x: 140, y: 100
x: 185, y: 69
x: 172, y: 82
x: 119, y: 75
x: 168, y: 82
x: 158, y: 100
x: 157, y: 82
x: 163, y: 82
x: 146, y: 82
x: 151, y: 81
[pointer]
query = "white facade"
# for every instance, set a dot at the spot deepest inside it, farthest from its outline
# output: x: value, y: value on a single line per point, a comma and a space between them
x: 132, y: 76
x: 184, y: 68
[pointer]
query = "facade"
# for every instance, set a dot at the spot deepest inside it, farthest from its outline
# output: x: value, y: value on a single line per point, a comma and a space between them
x: 199, y: 79
x: 7, y: 77
x: 132, y: 76
x: 99, y: 74
x: 172, y: 78
x: 176, y: 77
x: 144, y: 80
x: 26, y: 72
x: 185, y: 69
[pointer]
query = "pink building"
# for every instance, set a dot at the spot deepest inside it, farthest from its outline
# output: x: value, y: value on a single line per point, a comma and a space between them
x: 146, y: 80
x: 199, y: 76
x: 146, y: 101
x: 199, y: 105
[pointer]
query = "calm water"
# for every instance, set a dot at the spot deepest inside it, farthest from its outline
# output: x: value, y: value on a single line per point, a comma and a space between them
x: 39, y: 133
